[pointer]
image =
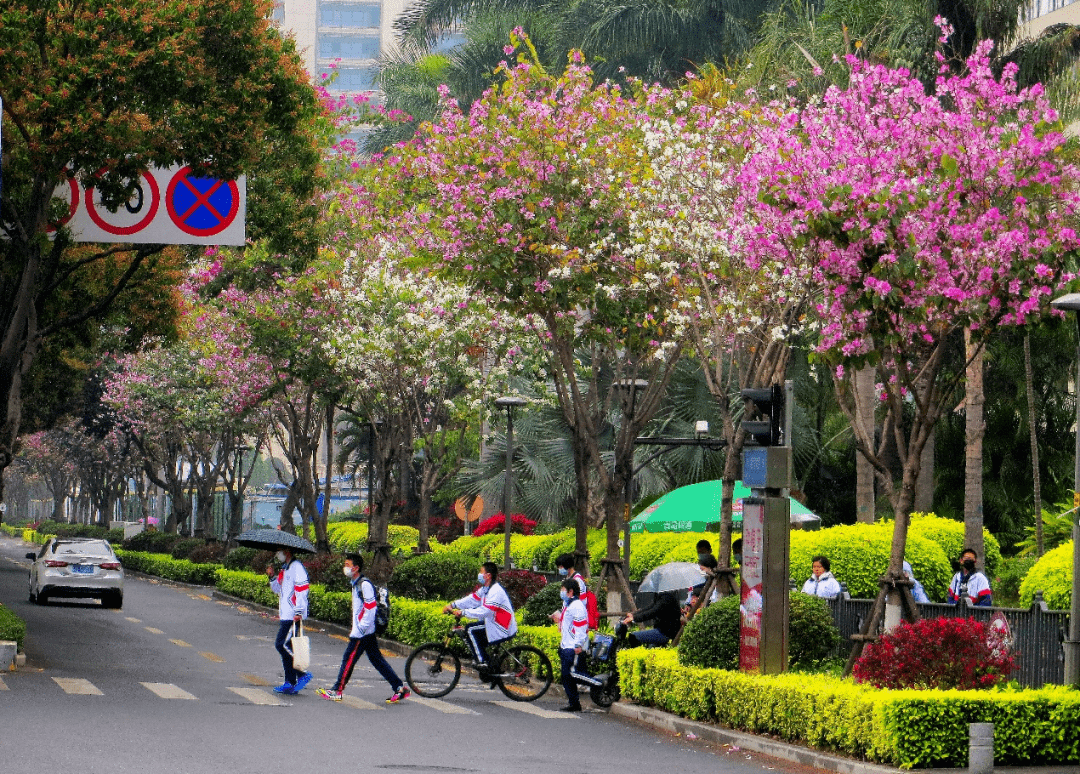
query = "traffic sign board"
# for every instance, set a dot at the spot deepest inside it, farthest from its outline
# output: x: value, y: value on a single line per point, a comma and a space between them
x: 133, y: 215
x: 71, y: 193
x: 201, y: 206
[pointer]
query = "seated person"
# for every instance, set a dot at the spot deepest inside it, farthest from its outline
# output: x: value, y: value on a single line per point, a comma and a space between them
x: 707, y: 564
x: 666, y: 615
x: 492, y: 614
x: 821, y: 583
x: 970, y: 583
x: 917, y: 590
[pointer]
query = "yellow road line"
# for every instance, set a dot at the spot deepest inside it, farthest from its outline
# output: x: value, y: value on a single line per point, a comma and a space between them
x: 152, y: 630
x: 212, y: 657
x: 181, y: 643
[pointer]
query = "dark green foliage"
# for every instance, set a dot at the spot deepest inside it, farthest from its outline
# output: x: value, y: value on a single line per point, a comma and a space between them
x: 12, y: 627
x: 711, y: 639
x: 327, y: 570
x: 182, y: 548
x: 812, y: 634
x: 538, y: 608
x: 212, y: 551
x: 443, y: 576
x: 151, y: 542
x: 1011, y: 574
x: 240, y: 559
x: 79, y: 530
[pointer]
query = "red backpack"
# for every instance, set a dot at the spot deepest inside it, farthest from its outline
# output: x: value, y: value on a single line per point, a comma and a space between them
x: 592, y: 609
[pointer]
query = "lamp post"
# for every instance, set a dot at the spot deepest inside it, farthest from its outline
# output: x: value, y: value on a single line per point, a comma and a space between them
x: 1071, y: 303
x: 508, y: 402
x: 633, y: 386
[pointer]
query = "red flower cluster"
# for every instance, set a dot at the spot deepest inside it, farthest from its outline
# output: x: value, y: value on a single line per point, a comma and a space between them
x: 521, y: 584
x: 496, y: 523
x: 936, y: 653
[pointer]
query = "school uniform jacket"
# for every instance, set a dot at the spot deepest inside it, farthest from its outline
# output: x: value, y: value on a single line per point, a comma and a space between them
x: 978, y: 589
x: 364, y: 603
x: 291, y: 586
x: 574, y: 625
x: 825, y: 586
x: 492, y: 606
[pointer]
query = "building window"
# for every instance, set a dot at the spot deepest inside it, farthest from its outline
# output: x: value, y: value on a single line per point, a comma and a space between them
x: 349, y: 15
x: 349, y: 46
x: 278, y: 14
x: 354, y: 79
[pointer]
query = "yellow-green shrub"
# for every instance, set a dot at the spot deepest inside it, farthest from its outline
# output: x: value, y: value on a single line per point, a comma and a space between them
x: 1052, y: 575
x: 949, y: 534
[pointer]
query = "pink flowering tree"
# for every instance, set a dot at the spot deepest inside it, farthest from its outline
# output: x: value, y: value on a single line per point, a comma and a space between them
x: 49, y: 455
x: 925, y: 215
x: 525, y: 199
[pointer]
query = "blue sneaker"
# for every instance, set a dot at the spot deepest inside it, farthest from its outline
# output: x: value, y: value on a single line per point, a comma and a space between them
x: 286, y: 688
x: 302, y: 682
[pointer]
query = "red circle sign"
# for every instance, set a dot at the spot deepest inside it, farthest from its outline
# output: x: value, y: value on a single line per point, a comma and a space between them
x: 131, y: 221
x: 201, y: 206
x: 73, y: 204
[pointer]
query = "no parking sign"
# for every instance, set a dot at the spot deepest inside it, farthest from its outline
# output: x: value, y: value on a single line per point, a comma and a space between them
x: 167, y: 206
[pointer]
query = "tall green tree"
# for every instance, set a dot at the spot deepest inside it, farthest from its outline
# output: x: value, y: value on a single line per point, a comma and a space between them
x: 100, y: 91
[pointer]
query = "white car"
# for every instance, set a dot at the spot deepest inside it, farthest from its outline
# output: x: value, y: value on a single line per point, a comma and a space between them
x: 76, y: 567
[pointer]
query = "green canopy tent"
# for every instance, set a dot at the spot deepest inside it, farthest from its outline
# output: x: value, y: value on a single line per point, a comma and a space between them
x: 696, y: 508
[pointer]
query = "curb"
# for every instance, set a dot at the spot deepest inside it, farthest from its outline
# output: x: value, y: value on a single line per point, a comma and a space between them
x: 786, y: 751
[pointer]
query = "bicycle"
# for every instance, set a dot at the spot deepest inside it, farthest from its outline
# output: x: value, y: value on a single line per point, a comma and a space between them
x: 522, y: 672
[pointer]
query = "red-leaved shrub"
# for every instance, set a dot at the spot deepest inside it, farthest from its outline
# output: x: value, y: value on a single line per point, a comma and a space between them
x: 521, y: 584
x: 937, y: 653
x: 497, y: 523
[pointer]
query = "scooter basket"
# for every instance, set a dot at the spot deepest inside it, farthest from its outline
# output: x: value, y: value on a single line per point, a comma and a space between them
x: 602, y: 647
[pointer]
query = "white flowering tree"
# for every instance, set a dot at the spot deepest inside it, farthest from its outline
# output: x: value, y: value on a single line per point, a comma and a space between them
x: 423, y: 356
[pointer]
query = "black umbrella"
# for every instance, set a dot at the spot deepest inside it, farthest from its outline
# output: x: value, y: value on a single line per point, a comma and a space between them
x: 274, y: 538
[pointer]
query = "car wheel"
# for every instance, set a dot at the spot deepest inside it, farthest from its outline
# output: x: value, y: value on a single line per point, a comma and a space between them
x: 113, y: 601
x: 42, y: 598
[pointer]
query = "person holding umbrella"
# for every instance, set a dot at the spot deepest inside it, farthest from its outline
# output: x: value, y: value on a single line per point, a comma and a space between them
x: 291, y: 585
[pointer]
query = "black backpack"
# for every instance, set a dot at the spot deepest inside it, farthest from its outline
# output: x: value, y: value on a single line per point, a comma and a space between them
x: 382, y: 607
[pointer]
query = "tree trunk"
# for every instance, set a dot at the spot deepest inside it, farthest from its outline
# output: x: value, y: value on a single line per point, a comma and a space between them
x: 865, y: 475
x: 924, y: 487
x: 975, y: 429
x: 1036, y: 477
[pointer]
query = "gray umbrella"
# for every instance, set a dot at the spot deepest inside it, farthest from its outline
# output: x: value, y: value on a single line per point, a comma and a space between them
x: 671, y: 577
x: 274, y: 538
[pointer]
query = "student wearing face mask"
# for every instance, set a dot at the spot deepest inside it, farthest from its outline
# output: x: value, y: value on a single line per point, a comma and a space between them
x: 970, y: 583
x: 491, y: 612
x: 362, y: 638
x: 290, y: 583
x: 574, y: 628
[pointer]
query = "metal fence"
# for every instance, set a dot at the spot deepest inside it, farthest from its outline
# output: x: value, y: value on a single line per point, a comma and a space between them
x: 1037, y: 632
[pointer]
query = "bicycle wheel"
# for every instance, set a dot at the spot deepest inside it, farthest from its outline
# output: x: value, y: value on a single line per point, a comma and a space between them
x: 524, y: 673
x: 432, y: 670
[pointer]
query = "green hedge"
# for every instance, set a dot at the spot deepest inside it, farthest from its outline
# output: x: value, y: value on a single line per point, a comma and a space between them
x: 164, y: 566
x: 12, y: 628
x: 949, y: 534
x: 10, y: 531
x: 345, y: 536
x: 1052, y: 575
x: 909, y: 729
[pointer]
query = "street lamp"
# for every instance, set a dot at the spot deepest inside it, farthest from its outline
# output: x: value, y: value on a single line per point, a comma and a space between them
x: 633, y: 386
x: 508, y: 402
x: 1071, y: 303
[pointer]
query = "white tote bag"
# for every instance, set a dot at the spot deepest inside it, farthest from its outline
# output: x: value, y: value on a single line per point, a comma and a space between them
x: 301, y: 650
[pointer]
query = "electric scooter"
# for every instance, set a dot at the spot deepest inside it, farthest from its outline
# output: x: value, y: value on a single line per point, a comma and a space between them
x: 604, y: 686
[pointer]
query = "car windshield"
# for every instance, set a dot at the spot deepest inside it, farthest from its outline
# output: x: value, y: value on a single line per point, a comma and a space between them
x: 83, y: 549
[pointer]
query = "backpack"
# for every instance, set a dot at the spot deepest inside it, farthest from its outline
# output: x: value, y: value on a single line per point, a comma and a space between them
x: 382, y: 607
x: 591, y: 608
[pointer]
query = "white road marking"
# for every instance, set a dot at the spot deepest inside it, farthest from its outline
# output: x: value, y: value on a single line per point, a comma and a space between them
x: 257, y: 696
x: 3, y: 685
x: 356, y: 703
x: 169, y: 691
x: 180, y: 643
x: 532, y: 710
x: 441, y: 706
x: 152, y: 630
x: 76, y: 686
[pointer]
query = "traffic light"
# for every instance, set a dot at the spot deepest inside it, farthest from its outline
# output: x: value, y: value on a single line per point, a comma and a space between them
x: 768, y: 403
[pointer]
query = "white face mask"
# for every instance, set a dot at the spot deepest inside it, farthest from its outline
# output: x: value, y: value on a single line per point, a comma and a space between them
x: 280, y: 556
x: 480, y: 577
x: 564, y: 595
x: 347, y: 571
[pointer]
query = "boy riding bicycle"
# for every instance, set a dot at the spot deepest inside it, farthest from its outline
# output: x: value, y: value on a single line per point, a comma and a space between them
x: 491, y: 614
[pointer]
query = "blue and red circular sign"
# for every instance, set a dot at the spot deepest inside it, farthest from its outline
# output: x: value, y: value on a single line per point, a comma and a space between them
x: 201, y: 206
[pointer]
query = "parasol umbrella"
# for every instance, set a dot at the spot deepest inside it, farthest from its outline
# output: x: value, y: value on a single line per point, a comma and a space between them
x: 696, y: 508
x: 268, y: 539
x: 672, y: 576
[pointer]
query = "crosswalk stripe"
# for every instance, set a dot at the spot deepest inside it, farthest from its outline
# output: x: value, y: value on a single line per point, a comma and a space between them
x: 441, y: 706
x: 3, y: 685
x: 255, y: 679
x: 533, y: 710
x: 77, y: 686
x: 212, y: 657
x: 356, y: 703
x: 180, y: 643
x: 258, y: 696
x: 168, y: 691
x: 152, y: 630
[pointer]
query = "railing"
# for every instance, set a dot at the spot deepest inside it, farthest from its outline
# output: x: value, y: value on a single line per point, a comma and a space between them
x: 1037, y: 632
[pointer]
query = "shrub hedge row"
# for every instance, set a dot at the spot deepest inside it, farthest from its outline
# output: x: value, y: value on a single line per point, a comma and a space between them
x: 909, y: 729
x: 12, y: 627
x: 164, y: 566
